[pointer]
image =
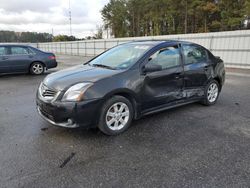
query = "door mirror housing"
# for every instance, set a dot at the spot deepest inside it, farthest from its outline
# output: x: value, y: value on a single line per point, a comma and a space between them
x: 219, y: 60
x: 150, y: 67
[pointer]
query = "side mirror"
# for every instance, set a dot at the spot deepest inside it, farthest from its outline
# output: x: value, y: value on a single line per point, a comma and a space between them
x: 150, y: 67
x: 219, y: 60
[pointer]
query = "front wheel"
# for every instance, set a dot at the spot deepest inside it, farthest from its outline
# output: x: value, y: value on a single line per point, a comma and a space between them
x: 211, y: 93
x: 116, y: 115
x: 37, y: 68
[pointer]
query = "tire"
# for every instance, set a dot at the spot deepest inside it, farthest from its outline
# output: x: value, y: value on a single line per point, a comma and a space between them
x: 116, y: 115
x: 212, y: 92
x: 37, y: 68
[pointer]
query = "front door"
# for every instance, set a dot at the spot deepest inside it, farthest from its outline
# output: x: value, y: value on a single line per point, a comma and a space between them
x: 165, y: 86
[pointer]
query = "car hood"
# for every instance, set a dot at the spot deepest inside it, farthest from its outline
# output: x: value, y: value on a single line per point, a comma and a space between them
x: 82, y: 73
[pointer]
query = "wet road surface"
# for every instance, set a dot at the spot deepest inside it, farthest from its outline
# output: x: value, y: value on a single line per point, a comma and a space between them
x: 190, y: 146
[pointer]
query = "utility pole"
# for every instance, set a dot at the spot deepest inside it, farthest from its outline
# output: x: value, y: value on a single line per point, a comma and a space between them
x: 107, y: 33
x: 186, y: 16
x: 70, y: 28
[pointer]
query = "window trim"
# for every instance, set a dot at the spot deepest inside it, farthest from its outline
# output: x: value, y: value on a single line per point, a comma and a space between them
x: 196, y: 45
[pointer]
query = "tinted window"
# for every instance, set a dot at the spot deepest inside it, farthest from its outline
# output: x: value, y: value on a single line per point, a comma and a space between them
x: 19, y: 50
x: 2, y: 50
x: 32, y: 51
x: 194, y: 54
x: 167, y: 57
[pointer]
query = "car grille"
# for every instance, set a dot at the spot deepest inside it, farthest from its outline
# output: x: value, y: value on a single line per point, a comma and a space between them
x: 47, y: 93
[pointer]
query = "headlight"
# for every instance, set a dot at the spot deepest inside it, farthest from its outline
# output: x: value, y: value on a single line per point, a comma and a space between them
x: 76, y: 92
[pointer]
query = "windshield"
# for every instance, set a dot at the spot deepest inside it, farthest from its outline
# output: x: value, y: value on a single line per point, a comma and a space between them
x: 120, y: 57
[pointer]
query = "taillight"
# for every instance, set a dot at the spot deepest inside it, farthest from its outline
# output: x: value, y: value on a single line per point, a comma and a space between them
x: 52, y: 57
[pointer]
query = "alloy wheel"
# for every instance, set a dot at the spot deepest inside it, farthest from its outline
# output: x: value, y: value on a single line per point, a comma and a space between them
x: 37, y: 68
x: 212, y: 92
x: 117, y: 116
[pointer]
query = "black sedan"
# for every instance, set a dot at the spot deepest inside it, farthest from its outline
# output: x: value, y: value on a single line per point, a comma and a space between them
x: 25, y: 59
x: 130, y: 81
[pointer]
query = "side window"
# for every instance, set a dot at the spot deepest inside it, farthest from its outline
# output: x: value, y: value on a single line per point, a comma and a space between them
x: 19, y: 50
x: 2, y: 50
x: 31, y: 51
x: 194, y: 54
x: 167, y: 57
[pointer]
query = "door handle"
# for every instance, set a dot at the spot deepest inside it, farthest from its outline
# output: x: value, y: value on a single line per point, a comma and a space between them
x: 4, y: 58
x: 177, y: 75
x: 206, y: 68
x: 31, y: 56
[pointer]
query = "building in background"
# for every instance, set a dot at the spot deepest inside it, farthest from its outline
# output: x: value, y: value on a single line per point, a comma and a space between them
x: 246, y: 22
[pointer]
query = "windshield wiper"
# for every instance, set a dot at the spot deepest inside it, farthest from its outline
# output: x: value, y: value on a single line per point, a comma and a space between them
x: 103, y: 66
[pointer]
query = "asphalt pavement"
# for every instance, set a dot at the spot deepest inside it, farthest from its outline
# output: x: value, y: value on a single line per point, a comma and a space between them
x: 190, y: 146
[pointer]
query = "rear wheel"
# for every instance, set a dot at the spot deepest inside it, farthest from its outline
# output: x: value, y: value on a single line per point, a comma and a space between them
x: 37, y: 68
x: 116, y: 115
x: 211, y: 93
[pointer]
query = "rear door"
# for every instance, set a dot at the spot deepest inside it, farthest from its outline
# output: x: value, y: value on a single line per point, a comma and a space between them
x: 197, y: 69
x: 4, y: 66
x: 20, y: 59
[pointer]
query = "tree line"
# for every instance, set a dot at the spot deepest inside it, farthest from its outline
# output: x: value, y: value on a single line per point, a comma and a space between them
x: 34, y: 37
x: 129, y: 18
x: 11, y: 36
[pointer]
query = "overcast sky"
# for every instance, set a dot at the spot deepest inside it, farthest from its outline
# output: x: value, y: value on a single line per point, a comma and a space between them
x: 43, y: 15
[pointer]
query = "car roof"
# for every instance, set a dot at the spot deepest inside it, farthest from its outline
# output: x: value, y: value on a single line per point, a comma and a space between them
x: 158, y: 42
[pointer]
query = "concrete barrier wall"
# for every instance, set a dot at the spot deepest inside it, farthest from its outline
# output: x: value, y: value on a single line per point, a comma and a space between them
x: 233, y: 46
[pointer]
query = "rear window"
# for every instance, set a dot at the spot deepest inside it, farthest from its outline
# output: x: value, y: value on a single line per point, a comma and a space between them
x: 19, y: 50
x: 32, y: 50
